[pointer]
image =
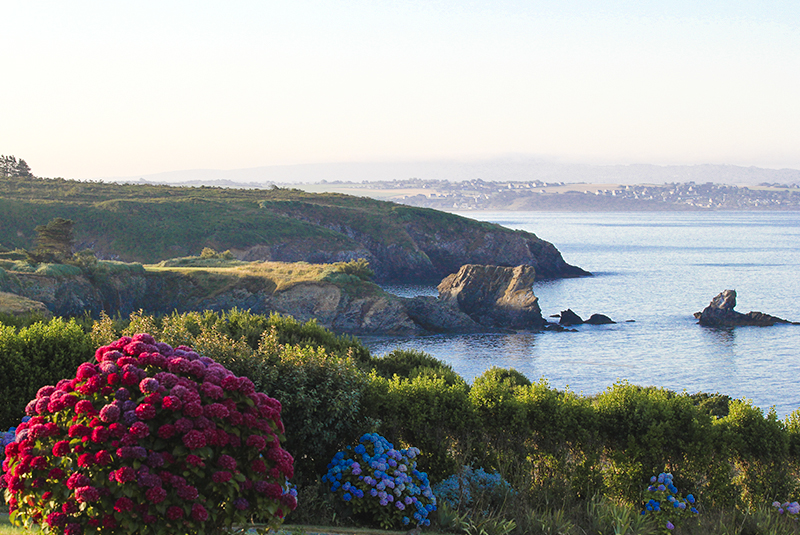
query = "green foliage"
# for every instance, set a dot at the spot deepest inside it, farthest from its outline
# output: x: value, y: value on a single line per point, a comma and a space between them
x: 54, y: 241
x: 321, y: 394
x: 34, y: 356
x: 10, y: 167
x: 58, y: 271
x: 358, y: 268
x: 410, y: 363
x: 428, y: 412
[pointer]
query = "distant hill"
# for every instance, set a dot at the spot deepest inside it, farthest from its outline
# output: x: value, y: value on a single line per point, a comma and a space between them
x: 150, y: 223
x: 496, y: 169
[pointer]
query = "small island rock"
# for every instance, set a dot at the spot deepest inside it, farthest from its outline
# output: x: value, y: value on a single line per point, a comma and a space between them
x: 720, y: 313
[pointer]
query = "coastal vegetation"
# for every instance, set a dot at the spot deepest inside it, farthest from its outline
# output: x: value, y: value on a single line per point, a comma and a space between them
x: 575, y: 463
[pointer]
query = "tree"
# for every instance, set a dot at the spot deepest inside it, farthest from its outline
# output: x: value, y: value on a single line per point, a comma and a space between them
x: 10, y: 167
x: 54, y: 241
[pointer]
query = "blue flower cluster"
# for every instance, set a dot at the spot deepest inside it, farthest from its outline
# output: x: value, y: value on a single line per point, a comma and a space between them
x: 7, y: 437
x: 462, y: 490
x: 667, y: 499
x: 376, y: 479
x: 792, y: 508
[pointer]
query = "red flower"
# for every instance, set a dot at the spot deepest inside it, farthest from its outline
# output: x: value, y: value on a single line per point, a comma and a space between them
x: 166, y: 431
x: 194, y: 460
x: 258, y: 466
x: 221, y: 476
x: 125, y: 474
x: 172, y: 403
x: 100, y: 434
x: 139, y: 429
x: 199, y: 513
x: 123, y: 504
x: 174, y: 513
x: 69, y: 507
x: 85, y: 460
x: 256, y: 441
x: 77, y: 480
x: 193, y: 410
x: 145, y: 411
x: 84, y: 406
x: 194, y: 440
x: 227, y: 462
x: 56, y: 519
x: 155, y: 495
x: 188, y: 493
x: 56, y: 473
x: 102, y: 458
x: 130, y: 378
x: 87, y: 494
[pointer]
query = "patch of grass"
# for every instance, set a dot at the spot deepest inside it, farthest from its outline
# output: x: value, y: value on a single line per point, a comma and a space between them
x: 218, y: 275
x: 17, y: 306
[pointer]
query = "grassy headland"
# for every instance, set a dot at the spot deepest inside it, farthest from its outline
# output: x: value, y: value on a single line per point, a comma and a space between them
x: 151, y: 223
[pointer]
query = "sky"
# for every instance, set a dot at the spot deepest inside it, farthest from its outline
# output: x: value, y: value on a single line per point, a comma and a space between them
x: 110, y: 89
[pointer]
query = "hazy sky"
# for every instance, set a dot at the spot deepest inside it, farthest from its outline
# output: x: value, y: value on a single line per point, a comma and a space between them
x: 117, y: 88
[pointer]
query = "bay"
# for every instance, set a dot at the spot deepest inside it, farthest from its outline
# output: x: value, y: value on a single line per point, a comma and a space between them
x: 656, y: 269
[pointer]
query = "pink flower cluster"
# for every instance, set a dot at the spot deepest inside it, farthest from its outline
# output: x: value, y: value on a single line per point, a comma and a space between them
x: 116, y: 430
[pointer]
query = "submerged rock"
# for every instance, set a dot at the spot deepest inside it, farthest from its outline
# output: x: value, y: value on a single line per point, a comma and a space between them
x: 720, y: 313
x: 599, y: 319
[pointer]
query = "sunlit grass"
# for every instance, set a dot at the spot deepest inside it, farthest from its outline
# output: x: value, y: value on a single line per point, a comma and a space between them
x: 284, y: 275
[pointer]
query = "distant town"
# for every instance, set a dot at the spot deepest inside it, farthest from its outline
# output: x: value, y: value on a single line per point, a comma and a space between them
x: 537, y: 195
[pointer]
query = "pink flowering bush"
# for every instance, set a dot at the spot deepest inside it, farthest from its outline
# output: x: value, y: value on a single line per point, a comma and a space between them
x: 149, y: 439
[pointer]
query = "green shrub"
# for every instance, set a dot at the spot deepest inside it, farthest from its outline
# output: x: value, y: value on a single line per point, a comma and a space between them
x: 408, y: 363
x: 322, y: 398
x: 358, y: 268
x: 651, y: 430
x: 758, y: 447
x: 35, y: 356
x: 58, y: 270
x: 428, y: 412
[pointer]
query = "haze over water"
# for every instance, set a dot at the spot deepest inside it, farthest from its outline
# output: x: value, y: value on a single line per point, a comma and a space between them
x: 656, y: 269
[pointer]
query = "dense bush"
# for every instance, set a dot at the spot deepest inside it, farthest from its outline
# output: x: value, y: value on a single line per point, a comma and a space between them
x: 552, y: 446
x: 429, y: 412
x: 34, y: 356
x: 149, y: 439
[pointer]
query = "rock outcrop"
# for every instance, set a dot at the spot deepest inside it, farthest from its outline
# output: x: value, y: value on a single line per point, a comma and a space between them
x: 720, y: 313
x: 494, y: 296
x: 568, y: 318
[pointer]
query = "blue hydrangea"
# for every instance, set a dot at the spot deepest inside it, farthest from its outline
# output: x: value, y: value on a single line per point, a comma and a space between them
x: 460, y: 491
x: 376, y: 479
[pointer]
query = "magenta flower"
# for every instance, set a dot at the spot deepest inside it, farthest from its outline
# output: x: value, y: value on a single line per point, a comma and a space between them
x: 87, y: 494
x: 194, y: 440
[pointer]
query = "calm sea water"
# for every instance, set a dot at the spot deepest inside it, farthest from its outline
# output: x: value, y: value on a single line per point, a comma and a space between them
x: 656, y: 269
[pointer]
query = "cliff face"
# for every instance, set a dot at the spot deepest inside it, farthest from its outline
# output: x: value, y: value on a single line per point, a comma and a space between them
x: 426, y: 250
x: 370, y: 312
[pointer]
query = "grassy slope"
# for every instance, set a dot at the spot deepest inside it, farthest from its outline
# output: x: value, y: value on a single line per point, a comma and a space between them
x: 148, y: 223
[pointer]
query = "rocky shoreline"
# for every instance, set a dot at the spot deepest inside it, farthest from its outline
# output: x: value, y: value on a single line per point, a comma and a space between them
x: 477, y: 298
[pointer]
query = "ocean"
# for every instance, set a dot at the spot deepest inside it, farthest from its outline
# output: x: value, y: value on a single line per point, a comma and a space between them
x: 655, y: 269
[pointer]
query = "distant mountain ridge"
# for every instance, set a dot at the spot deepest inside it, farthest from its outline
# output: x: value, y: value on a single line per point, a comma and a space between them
x: 497, y: 169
